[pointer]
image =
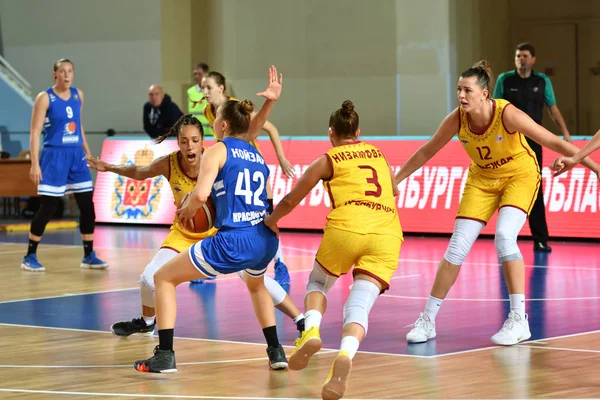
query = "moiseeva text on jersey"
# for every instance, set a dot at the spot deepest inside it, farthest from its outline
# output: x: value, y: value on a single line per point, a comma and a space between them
x: 351, y: 155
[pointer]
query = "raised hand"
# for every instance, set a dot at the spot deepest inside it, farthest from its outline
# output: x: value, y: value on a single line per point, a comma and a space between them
x: 273, y: 90
x: 96, y: 163
x: 287, y: 168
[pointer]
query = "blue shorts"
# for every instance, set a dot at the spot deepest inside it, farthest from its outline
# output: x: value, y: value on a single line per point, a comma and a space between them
x: 64, y: 171
x: 248, y: 249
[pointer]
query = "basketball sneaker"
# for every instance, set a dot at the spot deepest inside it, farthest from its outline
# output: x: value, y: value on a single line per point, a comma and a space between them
x: 136, y: 325
x: 336, y: 383
x: 92, y: 262
x: 515, y: 330
x: 30, y: 263
x: 277, y: 358
x: 162, y: 362
x: 306, y: 346
x: 423, y: 330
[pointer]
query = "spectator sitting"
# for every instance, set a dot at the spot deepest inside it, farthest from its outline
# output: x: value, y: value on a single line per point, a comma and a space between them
x: 160, y: 112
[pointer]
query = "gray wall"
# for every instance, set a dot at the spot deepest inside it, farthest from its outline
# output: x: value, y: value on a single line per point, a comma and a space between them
x: 114, y: 44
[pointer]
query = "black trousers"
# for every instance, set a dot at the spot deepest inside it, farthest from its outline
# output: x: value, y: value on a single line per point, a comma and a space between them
x: 537, y: 217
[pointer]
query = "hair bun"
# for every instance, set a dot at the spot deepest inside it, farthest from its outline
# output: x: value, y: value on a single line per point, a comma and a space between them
x: 347, y: 107
x: 246, y: 107
x: 483, y: 64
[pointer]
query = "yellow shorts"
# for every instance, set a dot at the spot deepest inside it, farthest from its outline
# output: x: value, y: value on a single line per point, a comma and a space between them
x: 373, y: 255
x: 180, y: 241
x: 483, y: 196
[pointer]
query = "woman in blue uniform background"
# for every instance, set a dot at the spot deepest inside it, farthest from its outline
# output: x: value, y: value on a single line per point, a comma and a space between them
x: 235, y: 174
x: 62, y: 168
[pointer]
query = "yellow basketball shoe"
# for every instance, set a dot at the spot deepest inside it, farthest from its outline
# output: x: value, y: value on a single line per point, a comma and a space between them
x: 306, y: 346
x: 336, y: 383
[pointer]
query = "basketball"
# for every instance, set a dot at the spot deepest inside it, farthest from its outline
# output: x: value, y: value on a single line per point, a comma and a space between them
x: 204, y: 219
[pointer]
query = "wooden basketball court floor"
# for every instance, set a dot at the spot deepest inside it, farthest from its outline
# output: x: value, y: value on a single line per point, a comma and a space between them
x: 54, y: 327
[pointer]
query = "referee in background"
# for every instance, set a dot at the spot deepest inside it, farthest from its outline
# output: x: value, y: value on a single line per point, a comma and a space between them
x: 529, y: 90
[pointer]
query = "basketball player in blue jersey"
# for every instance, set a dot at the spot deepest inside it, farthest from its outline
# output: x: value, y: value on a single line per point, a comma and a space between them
x: 62, y: 168
x: 235, y: 174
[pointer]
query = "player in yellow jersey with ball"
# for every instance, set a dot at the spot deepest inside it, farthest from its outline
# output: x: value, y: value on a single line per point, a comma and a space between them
x: 504, y: 175
x: 363, y: 230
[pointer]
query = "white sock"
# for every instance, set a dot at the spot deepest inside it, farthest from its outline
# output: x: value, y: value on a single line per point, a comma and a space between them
x: 349, y: 345
x: 312, y: 318
x: 279, y: 254
x: 432, y: 307
x: 517, y: 304
x: 149, y: 320
x: 298, y: 318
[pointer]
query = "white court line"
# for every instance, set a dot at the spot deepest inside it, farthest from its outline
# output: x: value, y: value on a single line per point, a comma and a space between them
x: 405, y: 276
x: 323, y: 350
x: 314, y: 252
x: 454, y: 353
x: 397, y: 296
x: 564, y: 336
x: 24, y: 249
x: 520, y: 344
x: 242, y: 360
x: 414, y: 260
x: 69, y: 295
x: 148, y: 395
x: 562, y: 349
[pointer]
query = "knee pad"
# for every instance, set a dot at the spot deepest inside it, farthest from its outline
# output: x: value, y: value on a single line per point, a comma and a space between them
x: 319, y: 281
x: 48, y: 206
x: 465, y: 233
x: 147, y: 286
x: 87, y: 214
x: 360, y: 301
x: 509, y: 224
x: 147, y: 277
x: 275, y: 290
x: 507, y: 248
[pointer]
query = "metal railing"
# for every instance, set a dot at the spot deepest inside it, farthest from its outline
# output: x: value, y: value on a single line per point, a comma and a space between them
x: 18, y: 77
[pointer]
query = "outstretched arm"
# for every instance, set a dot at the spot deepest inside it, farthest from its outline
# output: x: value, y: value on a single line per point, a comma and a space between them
x: 516, y: 120
x: 271, y: 94
x: 563, y: 164
x: 286, y: 167
x: 160, y: 166
x: 440, y: 138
